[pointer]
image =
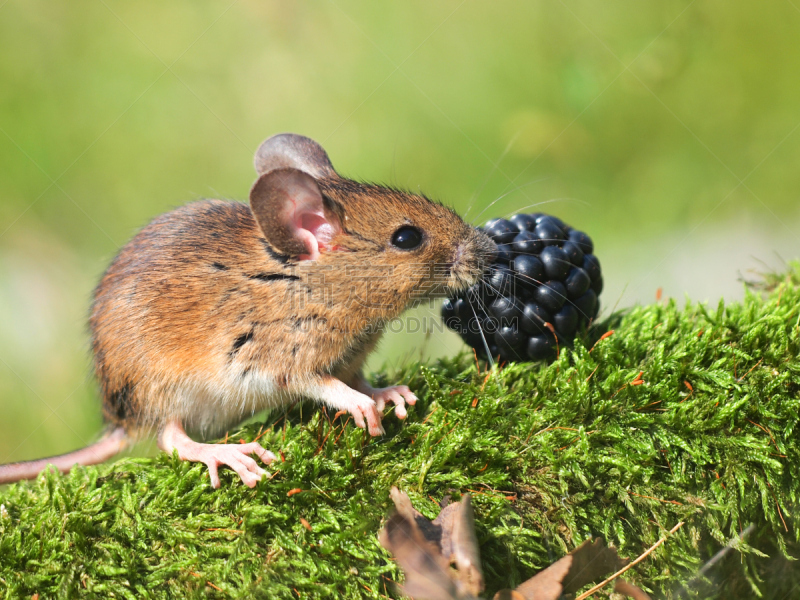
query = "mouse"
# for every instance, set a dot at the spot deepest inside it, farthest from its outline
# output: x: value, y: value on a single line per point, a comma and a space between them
x: 221, y: 309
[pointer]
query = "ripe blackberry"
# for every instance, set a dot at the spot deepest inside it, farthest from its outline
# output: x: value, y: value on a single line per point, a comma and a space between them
x: 540, y: 291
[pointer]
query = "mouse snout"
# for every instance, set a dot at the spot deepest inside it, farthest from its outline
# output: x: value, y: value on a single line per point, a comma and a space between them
x: 470, y: 258
x: 484, y: 248
x: 489, y: 248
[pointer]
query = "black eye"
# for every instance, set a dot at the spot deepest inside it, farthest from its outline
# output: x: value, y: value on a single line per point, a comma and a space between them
x: 407, y: 238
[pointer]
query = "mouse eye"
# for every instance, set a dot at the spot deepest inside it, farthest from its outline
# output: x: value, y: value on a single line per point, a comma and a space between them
x: 407, y: 238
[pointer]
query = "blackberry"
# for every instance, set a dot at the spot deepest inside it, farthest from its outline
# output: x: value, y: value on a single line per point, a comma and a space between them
x: 539, y: 293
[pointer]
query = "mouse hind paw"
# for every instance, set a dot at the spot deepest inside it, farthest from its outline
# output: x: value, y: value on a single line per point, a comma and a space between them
x: 236, y: 456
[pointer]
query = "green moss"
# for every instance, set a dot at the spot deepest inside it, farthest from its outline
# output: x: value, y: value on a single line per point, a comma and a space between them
x: 552, y: 456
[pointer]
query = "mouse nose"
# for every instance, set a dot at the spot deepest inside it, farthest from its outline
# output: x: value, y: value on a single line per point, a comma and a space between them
x: 470, y: 258
x: 487, y: 247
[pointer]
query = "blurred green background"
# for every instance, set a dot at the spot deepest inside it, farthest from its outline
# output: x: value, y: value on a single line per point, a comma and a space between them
x: 667, y: 130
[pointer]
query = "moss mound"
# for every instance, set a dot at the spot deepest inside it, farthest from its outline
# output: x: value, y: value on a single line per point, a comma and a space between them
x: 681, y: 414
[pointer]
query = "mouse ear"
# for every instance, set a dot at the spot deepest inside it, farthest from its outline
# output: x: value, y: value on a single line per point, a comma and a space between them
x: 292, y: 215
x: 292, y: 151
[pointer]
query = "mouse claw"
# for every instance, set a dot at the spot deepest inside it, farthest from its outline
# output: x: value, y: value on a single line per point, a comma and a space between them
x: 372, y: 423
x: 373, y: 417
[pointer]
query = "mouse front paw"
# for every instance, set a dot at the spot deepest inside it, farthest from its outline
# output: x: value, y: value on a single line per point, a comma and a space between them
x: 396, y: 394
x: 366, y: 416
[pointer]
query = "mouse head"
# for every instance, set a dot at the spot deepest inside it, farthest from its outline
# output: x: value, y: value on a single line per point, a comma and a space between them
x: 407, y: 245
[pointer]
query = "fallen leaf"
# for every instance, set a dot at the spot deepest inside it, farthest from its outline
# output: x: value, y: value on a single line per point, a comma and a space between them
x: 426, y: 571
x: 589, y: 562
x: 592, y: 560
x: 545, y: 585
x: 425, y: 549
x: 432, y: 531
x: 464, y: 547
x: 627, y: 589
x: 508, y: 595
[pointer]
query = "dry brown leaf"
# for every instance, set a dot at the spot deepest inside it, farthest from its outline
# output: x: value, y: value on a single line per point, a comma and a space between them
x: 445, y: 523
x: 425, y: 550
x: 459, y: 545
x: 432, y: 531
x: 592, y: 560
x: 427, y: 572
x: 508, y: 595
x: 465, y: 548
x: 629, y: 565
x: 589, y: 562
x: 545, y: 585
x: 627, y: 589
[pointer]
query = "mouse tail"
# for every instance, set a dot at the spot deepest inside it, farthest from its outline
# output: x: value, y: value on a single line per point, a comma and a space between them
x: 113, y: 442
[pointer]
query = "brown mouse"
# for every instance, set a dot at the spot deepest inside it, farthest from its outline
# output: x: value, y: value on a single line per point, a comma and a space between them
x: 218, y: 310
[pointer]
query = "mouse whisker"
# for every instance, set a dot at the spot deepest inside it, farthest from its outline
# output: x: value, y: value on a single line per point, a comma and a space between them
x: 483, y: 337
x: 494, y: 168
x: 550, y: 201
x: 519, y: 187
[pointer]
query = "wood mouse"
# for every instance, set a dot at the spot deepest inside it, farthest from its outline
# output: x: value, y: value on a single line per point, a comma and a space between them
x: 218, y: 310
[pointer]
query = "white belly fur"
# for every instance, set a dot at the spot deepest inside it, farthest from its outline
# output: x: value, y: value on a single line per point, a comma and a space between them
x: 210, y: 408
